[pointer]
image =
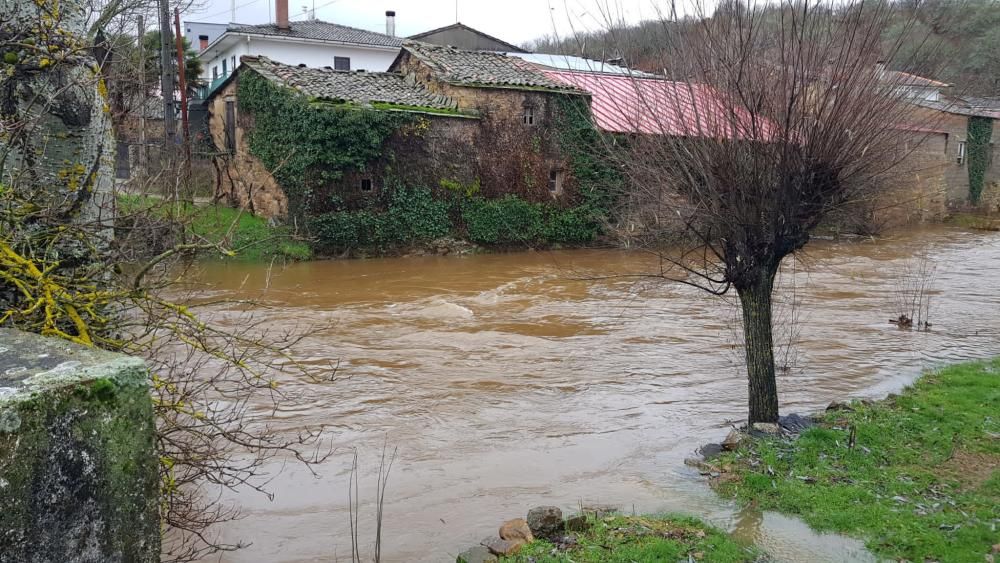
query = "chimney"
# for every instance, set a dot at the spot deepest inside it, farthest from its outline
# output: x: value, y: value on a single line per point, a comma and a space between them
x: 390, y: 23
x: 880, y: 70
x: 202, y: 42
x: 281, y: 14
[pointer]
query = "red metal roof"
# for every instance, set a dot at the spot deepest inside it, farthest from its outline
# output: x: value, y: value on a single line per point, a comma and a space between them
x: 627, y: 104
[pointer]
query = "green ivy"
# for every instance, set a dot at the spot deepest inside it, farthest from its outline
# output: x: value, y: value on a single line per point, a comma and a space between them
x: 306, y: 145
x: 598, y: 179
x: 978, y: 154
x: 506, y: 221
x: 413, y: 216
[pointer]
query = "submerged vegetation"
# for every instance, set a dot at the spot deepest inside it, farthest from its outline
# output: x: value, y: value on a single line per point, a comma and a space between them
x: 917, y: 475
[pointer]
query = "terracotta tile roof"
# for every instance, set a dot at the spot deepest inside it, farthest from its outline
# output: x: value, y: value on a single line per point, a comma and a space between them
x: 349, y: 86
x: 483, y: 68
x: 321, y: 31
x: 655, y: 106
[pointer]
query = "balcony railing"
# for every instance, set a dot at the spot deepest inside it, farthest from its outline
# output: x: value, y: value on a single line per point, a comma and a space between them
x: 205, y: 91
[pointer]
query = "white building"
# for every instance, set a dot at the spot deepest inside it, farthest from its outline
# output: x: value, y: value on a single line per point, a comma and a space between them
x: 312, y: 43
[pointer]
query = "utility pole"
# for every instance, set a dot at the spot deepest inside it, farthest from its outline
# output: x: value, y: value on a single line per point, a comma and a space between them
x: 141, y: 35
x: 185, y: 131
x: 167, y: 78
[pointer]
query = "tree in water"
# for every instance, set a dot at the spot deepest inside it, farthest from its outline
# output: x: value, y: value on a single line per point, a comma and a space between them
x: 778, y: 117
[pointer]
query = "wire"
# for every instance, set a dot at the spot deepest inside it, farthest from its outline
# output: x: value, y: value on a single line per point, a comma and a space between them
x: 318, y: 7
x: 244, y: 5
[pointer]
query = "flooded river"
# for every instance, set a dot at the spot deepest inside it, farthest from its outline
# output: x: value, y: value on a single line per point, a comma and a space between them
x: 513, y: 380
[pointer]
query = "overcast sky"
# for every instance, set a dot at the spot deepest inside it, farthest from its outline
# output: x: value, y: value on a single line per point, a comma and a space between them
x: 514, y: 21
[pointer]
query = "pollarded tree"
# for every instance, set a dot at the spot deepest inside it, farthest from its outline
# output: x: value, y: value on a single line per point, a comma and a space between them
x: 778, y: 115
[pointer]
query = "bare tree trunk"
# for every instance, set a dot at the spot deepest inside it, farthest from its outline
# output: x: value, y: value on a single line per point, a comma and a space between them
x: 755, y: 299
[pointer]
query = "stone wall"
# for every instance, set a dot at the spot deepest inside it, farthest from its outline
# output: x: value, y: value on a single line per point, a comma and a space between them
x: 78, y: 466
x: 954, y: 129
x: 490, y: 146
x: 241, y: 179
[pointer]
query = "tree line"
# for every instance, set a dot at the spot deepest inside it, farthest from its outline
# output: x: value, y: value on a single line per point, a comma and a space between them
x: 954, y: 41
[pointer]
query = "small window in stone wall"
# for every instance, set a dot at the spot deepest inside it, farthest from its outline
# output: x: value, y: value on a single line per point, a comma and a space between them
x: 529, y: 115
x: 556, y: 181
x: 341, y: 63
x: 366, y: 185
x: 961, y: 152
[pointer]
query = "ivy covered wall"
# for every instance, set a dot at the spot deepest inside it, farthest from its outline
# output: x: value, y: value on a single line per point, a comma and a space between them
x: 306, y: 145
x: 425, y: 176
x: 978, y: 154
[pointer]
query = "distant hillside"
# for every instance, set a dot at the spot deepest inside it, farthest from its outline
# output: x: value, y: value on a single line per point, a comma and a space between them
x: 955, y: 41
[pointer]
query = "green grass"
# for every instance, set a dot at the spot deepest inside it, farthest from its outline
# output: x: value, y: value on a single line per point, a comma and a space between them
x: 251, y: 237
x: 628, y: 539
x: 922, y: 481
x: 974, y: 221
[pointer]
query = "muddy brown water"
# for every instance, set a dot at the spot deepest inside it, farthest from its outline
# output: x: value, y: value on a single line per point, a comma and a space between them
x: 513, y: 380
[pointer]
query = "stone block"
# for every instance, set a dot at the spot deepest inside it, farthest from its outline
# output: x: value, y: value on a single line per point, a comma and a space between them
x: 78, y: 465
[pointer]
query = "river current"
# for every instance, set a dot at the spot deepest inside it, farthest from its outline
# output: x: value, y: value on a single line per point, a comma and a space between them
x: 509, y: 381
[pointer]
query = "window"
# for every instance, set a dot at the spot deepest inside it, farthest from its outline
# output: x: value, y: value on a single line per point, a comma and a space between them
x: 224, y: 63
x: 234, y: 63
x: 961, y: 152
x: 341, y: 63
x: 556, y: 182
x: 231, y: 126
x: 215, y: 72
x: 366, y: 184
x: 529, y: 115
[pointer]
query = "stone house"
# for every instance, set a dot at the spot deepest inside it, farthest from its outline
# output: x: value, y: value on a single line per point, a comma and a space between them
x: 487, y: 123
x: 946, y: 120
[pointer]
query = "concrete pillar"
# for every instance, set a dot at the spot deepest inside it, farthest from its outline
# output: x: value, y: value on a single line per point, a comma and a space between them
x: 78, y: 466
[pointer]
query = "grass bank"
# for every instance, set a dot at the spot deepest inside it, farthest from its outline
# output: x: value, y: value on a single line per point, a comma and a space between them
x: 917, y: 476
x: 627, y: 539
x: 252, y: 238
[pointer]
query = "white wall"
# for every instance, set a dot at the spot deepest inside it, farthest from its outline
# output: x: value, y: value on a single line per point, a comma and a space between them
x: 296, y: 52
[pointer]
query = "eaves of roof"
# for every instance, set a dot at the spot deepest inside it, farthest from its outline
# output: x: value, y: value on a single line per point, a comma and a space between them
x: 245, y: 30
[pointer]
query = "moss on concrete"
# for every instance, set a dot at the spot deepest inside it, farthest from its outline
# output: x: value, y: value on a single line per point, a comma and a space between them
x: 78, y: 470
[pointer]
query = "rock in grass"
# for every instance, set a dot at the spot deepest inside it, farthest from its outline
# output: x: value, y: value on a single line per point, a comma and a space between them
x: 839, y: 406
x: 733, y: 440
x: 767, y: 428
x: 577, y: 523
x: 516, y: 529
x: 500, y: 546
x: 478, y: 554
x: 599, y: 510
x: 545, y: 521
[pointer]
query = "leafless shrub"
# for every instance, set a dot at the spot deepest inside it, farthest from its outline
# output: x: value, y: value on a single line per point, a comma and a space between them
x: 914, y: 287
x: 354, y: 506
